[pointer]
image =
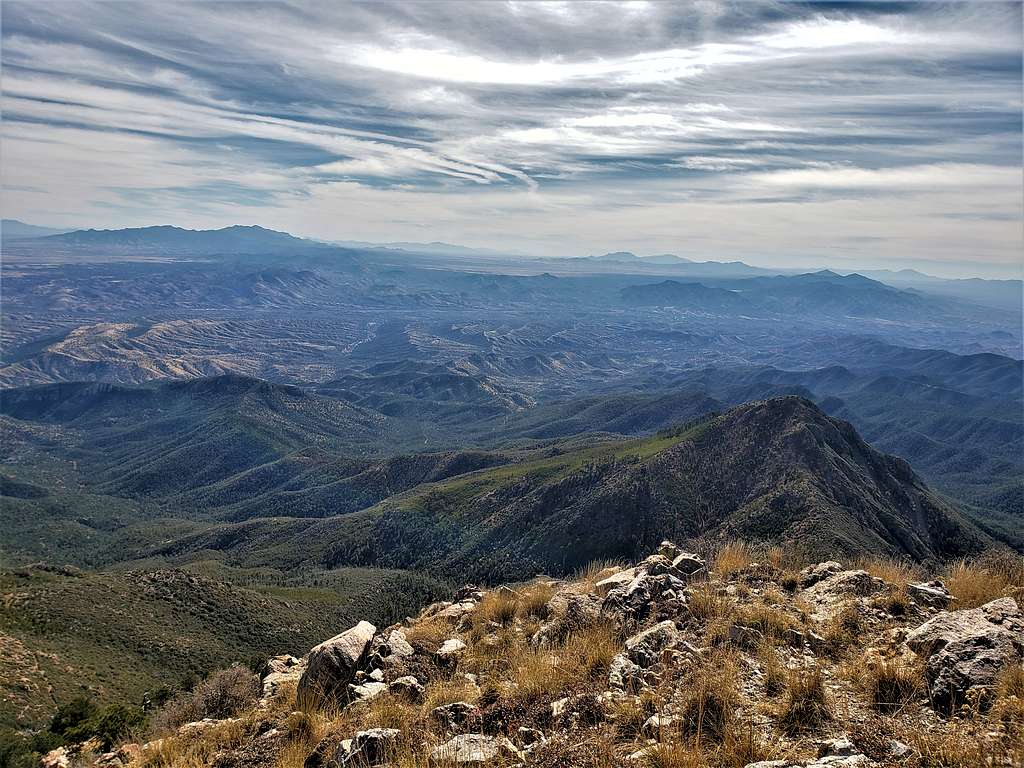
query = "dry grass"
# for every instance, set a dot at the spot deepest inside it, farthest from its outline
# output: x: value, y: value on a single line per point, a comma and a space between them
x: 805, y: 707
x: 844, y: 630
x: 773, y: 670
x: 195, y: 751
x: 533, y: 601
x: 732, y: 557
x: 892, y: 570
x: 706, y: 604
x: 429, y: 633
x: 1008, y: 706
x: 892, y: 684
x: 993, y: 575
x: 708, y: 711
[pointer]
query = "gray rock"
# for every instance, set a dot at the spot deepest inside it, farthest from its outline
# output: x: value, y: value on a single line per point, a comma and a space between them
x: 966, y: 650
x: 815, y: 573
x: 932, y: 593
x: 690, y: 565
x: 644, y: 648
x: 624, y: 675
x: 658, y: 726
x: 451, y: 650
x: 616, y: 580
x: 372, y: 747
x: 332, y: 665
x: 473, y: 749
x: 455, y: 716
x: 407, y: 688
x: 366, y: 691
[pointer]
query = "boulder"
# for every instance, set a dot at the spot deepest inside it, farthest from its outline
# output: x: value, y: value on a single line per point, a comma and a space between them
x: 966, y: 650
x: 372, y: 747
x: 473, y: 749
x: 624, y: 675
x: 659, y: 726
x: 56, y: 758
x: 616, y: 580
x: 644, y: 648
x: 455, y: 716
x: 933, y: 594
x: 690, y: 565
x: 812, y: 574
x: 332, y: 666
x: 366, y: 691
x: 450, y: 651
x: 278, y: 671
x: 407, y: 688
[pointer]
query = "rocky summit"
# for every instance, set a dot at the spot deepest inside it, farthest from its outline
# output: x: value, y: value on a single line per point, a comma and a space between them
x: 726, y: 660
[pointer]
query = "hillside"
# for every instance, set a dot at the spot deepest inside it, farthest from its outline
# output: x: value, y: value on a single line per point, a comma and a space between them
x: 777, y: 471
x: 116, y: 635
x: 681, y: 660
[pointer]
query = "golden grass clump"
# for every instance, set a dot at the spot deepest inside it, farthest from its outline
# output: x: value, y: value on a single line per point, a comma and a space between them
x: 732, y: 557
x: 805, y: 706
x: 993, y: 575
x: 889, y: 569
x: 705, y: 604
x: 892, y: 684
x: 707, y: 714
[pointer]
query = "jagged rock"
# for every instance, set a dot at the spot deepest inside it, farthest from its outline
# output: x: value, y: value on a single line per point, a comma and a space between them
x: 745, y: 637
x: 456, y: 612
x: 278, y: 671
x: 842, y: 747
x: 832, y: 761
x: 636, y: 601
x: 932, y: 593
x: 529, y: 737
x: 624, y: 675
x: 690, y: 565
x: 571, y: 612
x: 125, y: 755
x: 669, y: 550
x: 815, y: 573
x: 658, y: 726
x: 616, y: 580
x: 366, y: 691
x: 468, y: 592
x: 376, y: 675
x: 332, y: 665
x: 473, y: 748
x: 398, y: 645
x: 644, y: 648
x: 56, y: 758
x: 454, y: 716
x: 407, y: 688
x: 966, y: 650
x: 450, y: 650
x: 372, y: 747
x: 858, y: 583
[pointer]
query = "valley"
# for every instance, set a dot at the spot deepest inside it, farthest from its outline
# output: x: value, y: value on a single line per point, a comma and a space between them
x: 305, y: 433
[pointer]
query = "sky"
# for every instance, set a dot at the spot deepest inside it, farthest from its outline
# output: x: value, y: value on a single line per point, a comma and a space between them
x: 850, y: 135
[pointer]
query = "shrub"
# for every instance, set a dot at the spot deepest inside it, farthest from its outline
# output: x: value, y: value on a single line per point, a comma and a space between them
x: 805, y: 706
x: 109, y: 725
x: 221, y: 695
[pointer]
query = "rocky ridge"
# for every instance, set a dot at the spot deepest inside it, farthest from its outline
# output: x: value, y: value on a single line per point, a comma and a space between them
x: 673, y: 661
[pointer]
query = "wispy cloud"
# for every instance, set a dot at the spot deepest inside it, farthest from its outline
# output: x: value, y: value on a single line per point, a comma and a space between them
x: 553, y: 127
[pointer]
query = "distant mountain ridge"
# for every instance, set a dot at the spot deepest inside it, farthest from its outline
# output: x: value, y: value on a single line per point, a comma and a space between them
x: 13, y: 229
x: 228, y: 239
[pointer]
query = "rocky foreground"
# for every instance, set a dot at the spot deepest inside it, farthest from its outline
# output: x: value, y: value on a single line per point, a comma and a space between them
x: 669, y: 663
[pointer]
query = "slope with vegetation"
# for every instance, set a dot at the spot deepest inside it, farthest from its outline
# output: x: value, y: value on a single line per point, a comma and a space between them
x: 678, y: 660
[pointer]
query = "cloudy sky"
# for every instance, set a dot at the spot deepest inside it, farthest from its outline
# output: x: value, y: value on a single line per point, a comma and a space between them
x: 846, y: 134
